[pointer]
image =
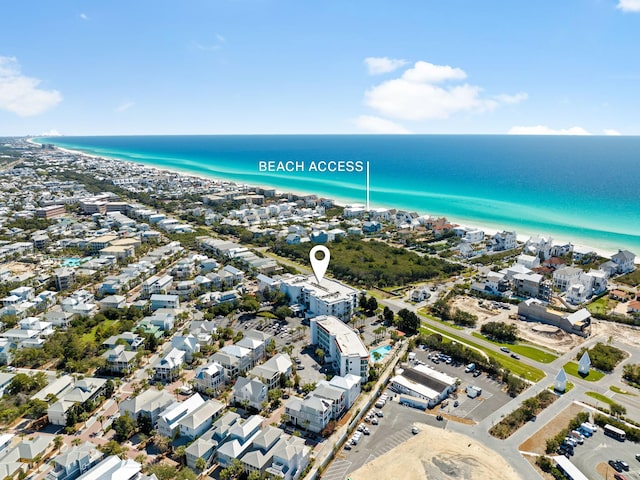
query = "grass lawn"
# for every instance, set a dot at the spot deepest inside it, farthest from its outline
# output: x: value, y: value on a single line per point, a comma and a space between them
x: 601, y: 306
x: 613, y: 388
x: 525, y: 350
x: 91, y: 336
x: 632, y: 278
x: 600, y: 397
x: 423, y: 311
x: 266, y: 314
x: 518, y: 368
x: 569, y: 388
x: 572, y: 369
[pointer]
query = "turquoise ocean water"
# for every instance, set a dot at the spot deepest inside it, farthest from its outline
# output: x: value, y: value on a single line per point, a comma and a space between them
x: 582, y: 189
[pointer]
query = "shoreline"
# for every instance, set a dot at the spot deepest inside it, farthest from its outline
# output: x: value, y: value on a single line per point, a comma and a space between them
x: 522, y: 236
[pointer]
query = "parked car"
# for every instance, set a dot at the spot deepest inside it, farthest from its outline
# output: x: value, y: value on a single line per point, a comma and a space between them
x: 415, y: 430
x: 623, y: 464
x: 638, y: 457
x: 300, y: 367
x: 374, y: 421
x: 615, y: 465
x: 379, y: 413
x: 477, y: 373
x: 347, y: 446
x: 456, y: 403
x: 619, y: 476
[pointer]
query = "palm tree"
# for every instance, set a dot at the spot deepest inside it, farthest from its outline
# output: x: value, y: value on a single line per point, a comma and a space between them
x: 100, y: 419
x: 57, y: 442
x: 320, y: 355
x: 201, y: 464
x: 76, y: 441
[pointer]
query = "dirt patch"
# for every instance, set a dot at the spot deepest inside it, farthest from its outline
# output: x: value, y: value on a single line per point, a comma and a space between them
x: 453, y: 456
x: 556, y: 340
x: 537, y: 442
x: 605, y: 471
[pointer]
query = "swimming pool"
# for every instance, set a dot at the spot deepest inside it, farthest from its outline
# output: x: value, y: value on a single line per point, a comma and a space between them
x: 74, y: 262
x: 383, y: 351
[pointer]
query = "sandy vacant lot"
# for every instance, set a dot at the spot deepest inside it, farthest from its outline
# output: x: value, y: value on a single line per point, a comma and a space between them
x: 435, y: 454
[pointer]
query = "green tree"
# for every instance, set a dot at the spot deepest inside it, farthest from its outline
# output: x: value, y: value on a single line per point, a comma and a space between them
x: 283, y: 312
x: 408, y: 322
x: 144, y: 423
x: 320, y: 354
x: 112, y: 448
x: 124, y: 426
x: 201, y: 464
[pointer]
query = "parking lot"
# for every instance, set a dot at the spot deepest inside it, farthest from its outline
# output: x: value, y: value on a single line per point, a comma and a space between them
x: 600, y: 449
x: 392, y: 430
x: 477, y: 409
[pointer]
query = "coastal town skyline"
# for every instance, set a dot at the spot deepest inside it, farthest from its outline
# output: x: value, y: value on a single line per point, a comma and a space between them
x: 267, y: 67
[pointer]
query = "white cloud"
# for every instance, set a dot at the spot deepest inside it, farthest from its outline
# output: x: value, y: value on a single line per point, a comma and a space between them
x: 611, y: 132
x: 372, y: 124
x: 20, y: 94
x: 544, y: 130
x: 84, y: 16
x: 51, y: 133
x: 511, y: 99
x: 124, y: 106
x: 379, y: 65
x: 220, y: 38
x: 629, y: 5
x: 416, y: 95
x: 425, y: 72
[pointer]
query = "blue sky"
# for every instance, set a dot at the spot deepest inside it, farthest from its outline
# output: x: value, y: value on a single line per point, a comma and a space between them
x: 291, y: 66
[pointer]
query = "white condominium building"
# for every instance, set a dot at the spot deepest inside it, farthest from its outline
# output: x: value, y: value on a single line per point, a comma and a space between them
x: 328, y: 298
x: 342, y: 346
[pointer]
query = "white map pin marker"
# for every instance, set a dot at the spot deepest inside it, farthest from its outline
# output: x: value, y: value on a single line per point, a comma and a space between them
x: 319, y: 266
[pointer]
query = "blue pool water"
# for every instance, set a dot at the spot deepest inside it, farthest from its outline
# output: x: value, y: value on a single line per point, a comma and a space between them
x: 74, y: 262
x: 383, y: 351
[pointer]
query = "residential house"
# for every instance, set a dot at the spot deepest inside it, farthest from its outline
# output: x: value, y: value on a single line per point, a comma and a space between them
x: 114, y: 468
x: 332, y: 395
x: 164, y: 301
x: 250, y: 392
x: 74, y: 462
x: 311, y: 413
x: 113, y: 301
x: 290, y: 458
x: 239, y: 439
x: 82, y: 391
x: 151, y: 403
x: 119, y: 360
x: 624, y: 259
x: 350, y: 384
x: 199, y: 420
x: 188, y: 344
x: 255, y: 346
x: 271, y: 371
x: 209, y: 377
x: 169, y: 420
x: 167, y: 369
x: 503, y: 241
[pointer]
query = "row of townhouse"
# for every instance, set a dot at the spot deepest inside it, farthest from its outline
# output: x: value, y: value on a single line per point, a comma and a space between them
x: 329, y: 401
x: 258, y: 447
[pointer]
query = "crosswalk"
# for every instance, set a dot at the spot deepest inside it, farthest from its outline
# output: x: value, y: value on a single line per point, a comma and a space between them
x: 337, y: 470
